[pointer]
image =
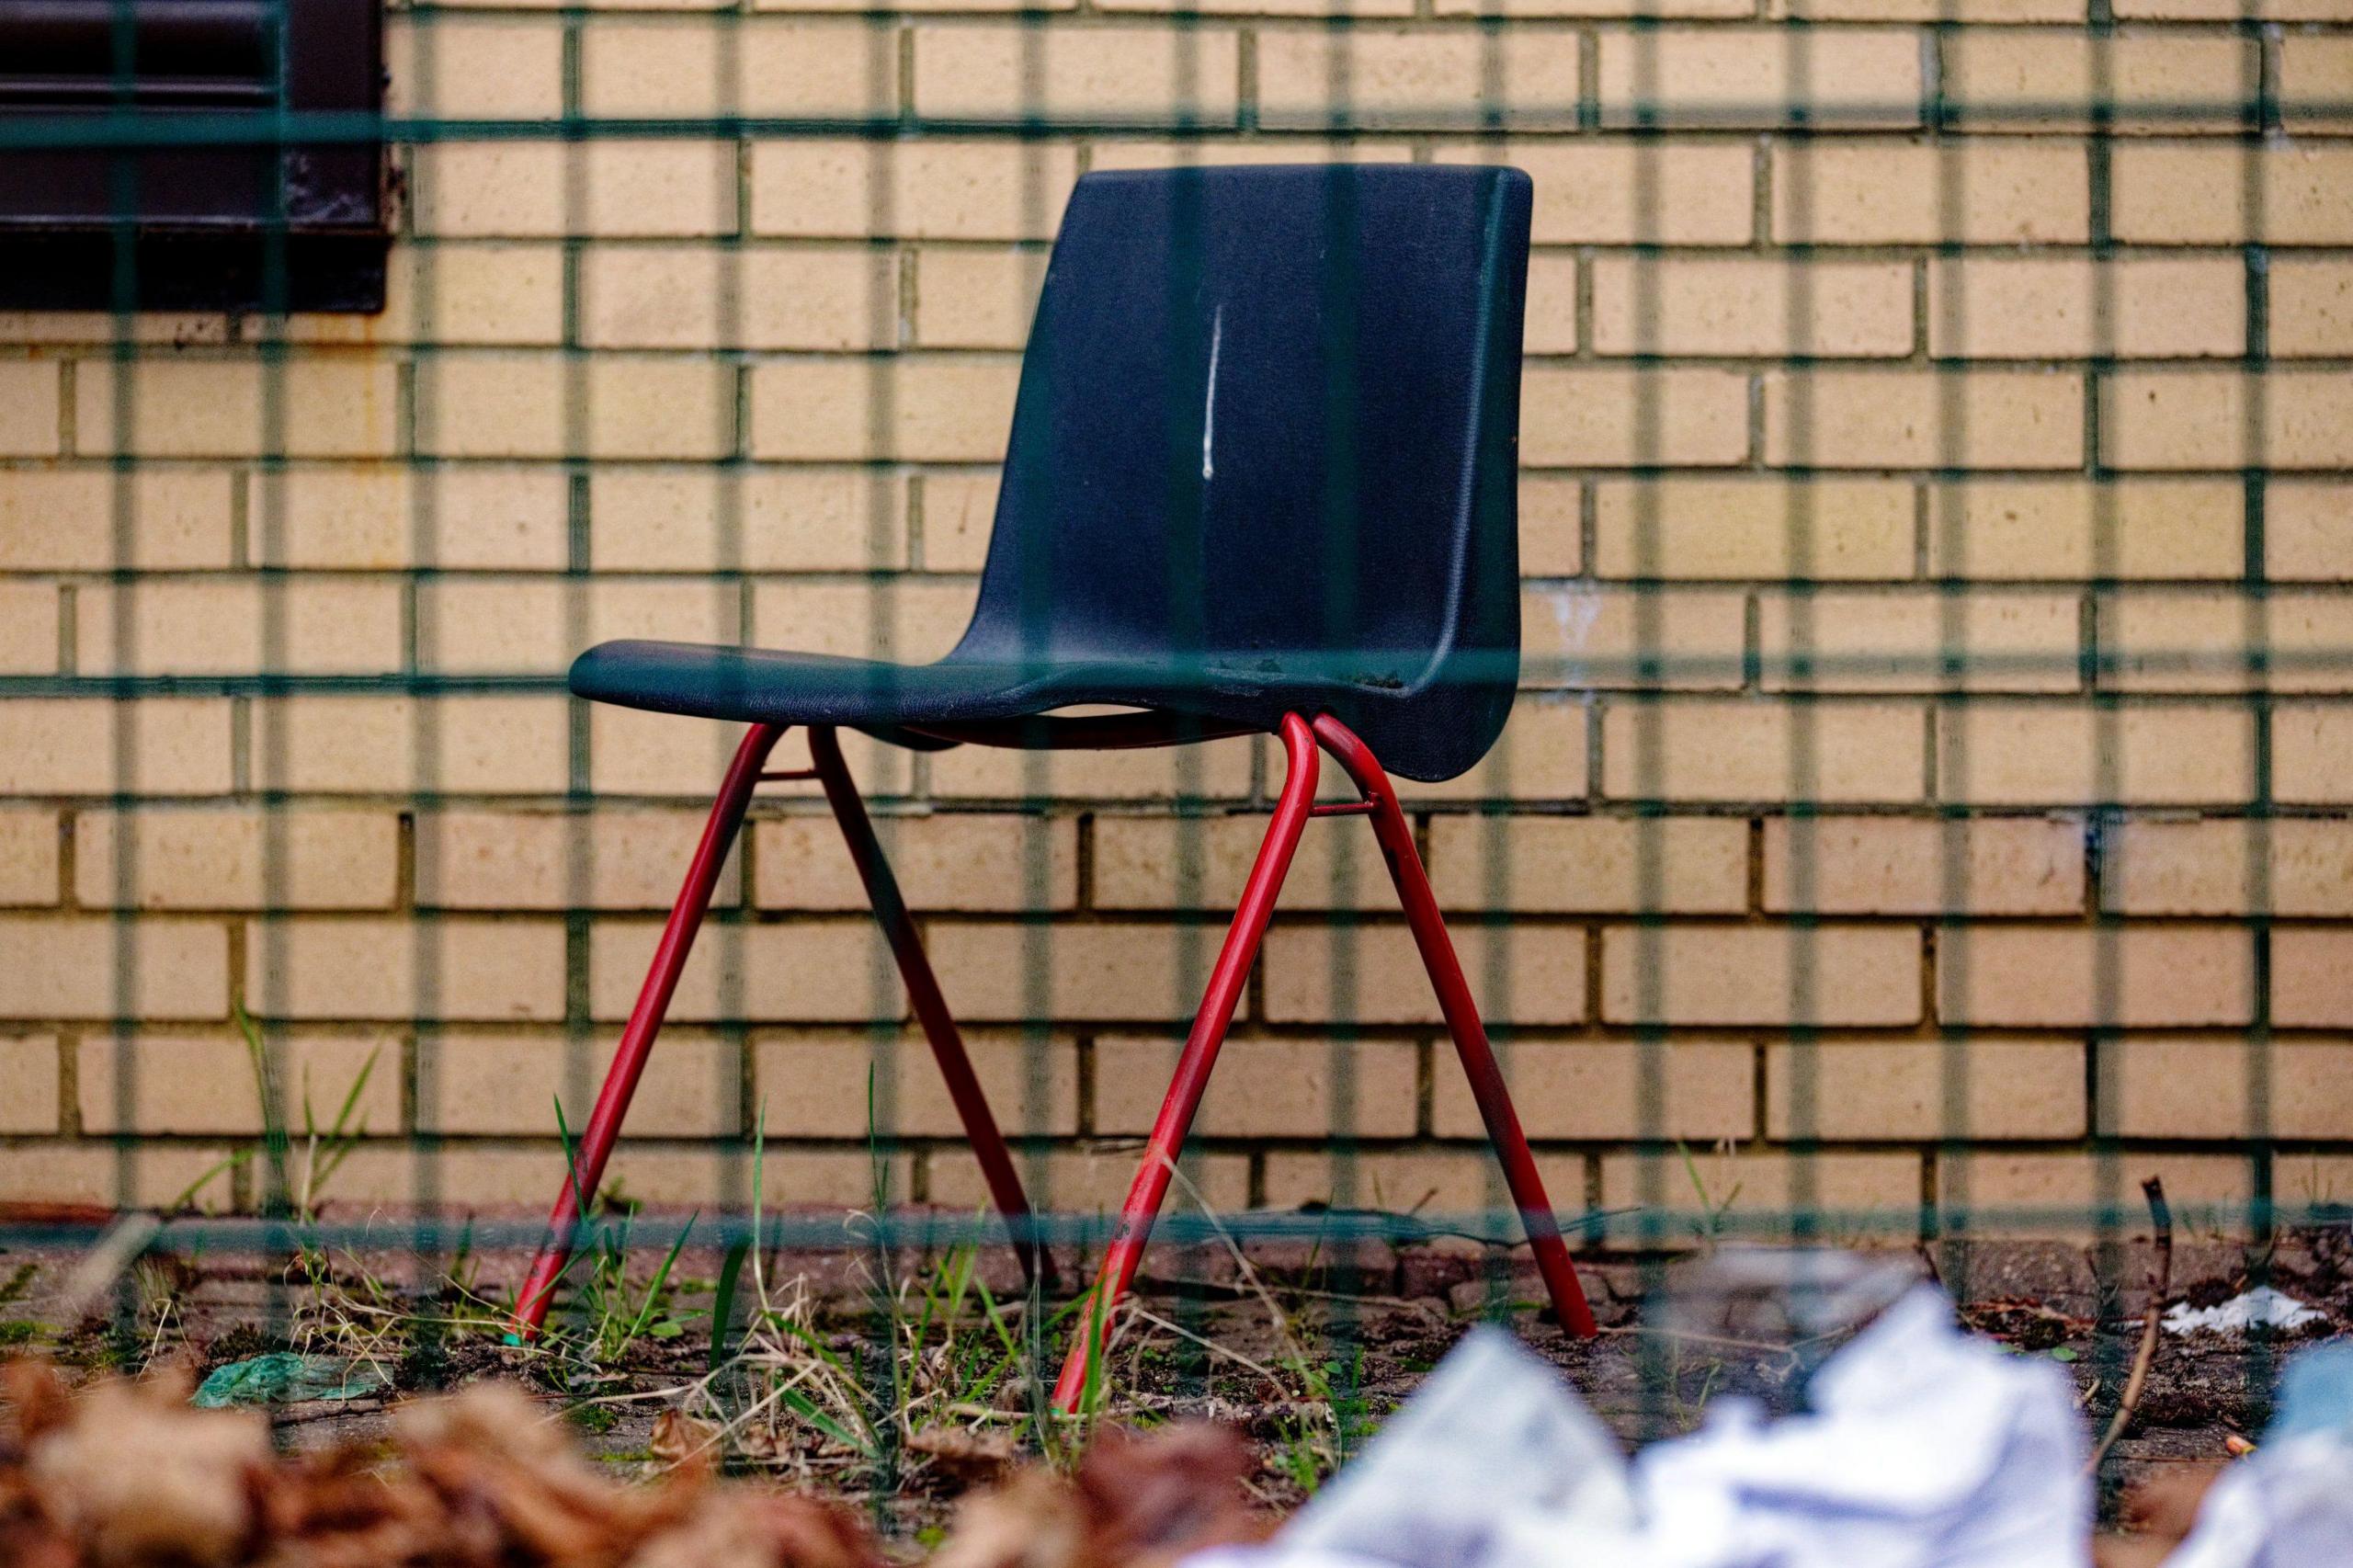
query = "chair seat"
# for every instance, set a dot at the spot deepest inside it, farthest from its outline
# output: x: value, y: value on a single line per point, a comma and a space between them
x: 774, y: 686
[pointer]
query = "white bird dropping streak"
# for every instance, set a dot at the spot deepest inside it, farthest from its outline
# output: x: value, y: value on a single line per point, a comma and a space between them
x: 1209, y: 404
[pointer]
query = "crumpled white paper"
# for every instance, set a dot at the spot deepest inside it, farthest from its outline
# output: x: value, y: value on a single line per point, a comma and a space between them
x: 2290, y: 1503
x: 1922, y: 1448
x: 2261, y: 1305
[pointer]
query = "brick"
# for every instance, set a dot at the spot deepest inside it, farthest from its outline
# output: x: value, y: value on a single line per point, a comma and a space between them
x: 976, y: 299
x: 1006, y: 972
x: 1372, y: 974
x: 2028, y: 529
x: 2312, y: 753
x: 1943, y: 11
x: 2284, y: 865
x: 31, y: 851
x: 1440, y: 78
x: 1550, y: 325
x: 240, y: 858
x: 207, y: 1084
x: 1730, y: 9
x: 2221, y: 419
x: 952, y: 860
x: 28, y: 629
x: 2308, y: 531
x: 173, y: 745
x: 29, y: 408
x: 958, y: 511
x: 1751, y: 306
x: 1093, y: 1181
x: 459, y: 968
x: 2070, y: 754
x: 1725, y: 77
x: 473, y: 68
x: 1367, y: 8
x: 819, y: 1087
x: 1732, y: 749
x: 2214, y: 641
x: 1266, y: 1087
x: 686, y: 68
x: 1907, y: 865
x: 64, y: 520
x: 636, y: 753
x: 149, y: 1176
x: 492, y: 292
x: 629, y: 187
x: 2220, y: 11
x: 1917, y: 1090
x: 2076, y: 976
x: 1737, y: 529
x: 2311, y: 307
x: 547, y: 405
x: 1614, y: 191
x: 2172, y: 193
x: 1621, y: 418
x: 29, y: 1096
x: 2318, y: 1180
x: 474, y: 1084
x: 939, y: 409
x: 907, y: 620
x: 506, y: 1179
x: 1578, y: 865
x: 1762, y: 1191
x: 511, y: 859
x: 1219, y: 770
x: 98, y: 968
x: 1918, y: 640
x: 1703, y: 1089
x: 2308, y: 969
x: 2040, y: 82
x: 476, y: 517
x: 2009, y: 419
x: 1540, y: 757
x: 1587, y: 637
x: 1870, y: 191
x: 1210, y: 151
x: 701, y: 519
x: 2079, y: 1187
x: 535, y: 625
x: 1551, y: 525
x: 1427, y: 1182
x: 1760, y: 974
x: 927, y: 189
x: 374, y: 744
x: 305, y: 625
x: 2202, y: 1087
x: 2316, y: 80
x: 998, y: 72
x: 2051, y: 308
x: 704, y: 297
x: 1162, y: 862
x: 337, y: 406
x: 809, y: 971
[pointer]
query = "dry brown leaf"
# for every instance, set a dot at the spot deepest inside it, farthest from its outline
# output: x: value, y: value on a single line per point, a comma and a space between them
x: 135, y: 1476
x: 679, y: 1437
x: 748, y: 1528
x: 963, y: 1456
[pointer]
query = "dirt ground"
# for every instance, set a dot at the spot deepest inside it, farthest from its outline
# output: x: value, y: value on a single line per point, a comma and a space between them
x: 1305, y: 1351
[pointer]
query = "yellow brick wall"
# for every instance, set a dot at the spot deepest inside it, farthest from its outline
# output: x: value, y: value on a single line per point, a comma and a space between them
x: 1931, y: 783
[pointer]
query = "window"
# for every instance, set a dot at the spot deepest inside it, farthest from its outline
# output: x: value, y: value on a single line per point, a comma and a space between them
x: 191, y: 155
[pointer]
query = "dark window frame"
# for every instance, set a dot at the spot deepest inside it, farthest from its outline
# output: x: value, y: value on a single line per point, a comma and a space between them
x: 143, y: 161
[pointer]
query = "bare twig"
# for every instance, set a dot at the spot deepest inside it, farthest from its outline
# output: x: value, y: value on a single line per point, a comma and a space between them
x: 2154, y: 1190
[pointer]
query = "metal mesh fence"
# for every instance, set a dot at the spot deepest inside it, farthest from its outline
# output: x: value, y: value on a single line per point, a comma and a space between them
x: 1922, y: 818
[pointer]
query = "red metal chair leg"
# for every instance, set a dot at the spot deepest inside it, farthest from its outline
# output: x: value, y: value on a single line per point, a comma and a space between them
x: 931, y: 1006
x: 1199, y: 1055
x: 645, y: 1023
x: 1396, y: 838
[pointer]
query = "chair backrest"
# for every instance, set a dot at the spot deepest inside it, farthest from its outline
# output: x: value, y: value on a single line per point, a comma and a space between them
x: 1266, y: 436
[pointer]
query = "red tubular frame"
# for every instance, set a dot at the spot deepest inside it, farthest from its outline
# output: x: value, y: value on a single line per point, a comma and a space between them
x: 1395, y: 835
x: 743, y: 775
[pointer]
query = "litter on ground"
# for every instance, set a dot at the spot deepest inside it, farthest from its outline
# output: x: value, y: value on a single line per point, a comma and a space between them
x: 2261, y: 1305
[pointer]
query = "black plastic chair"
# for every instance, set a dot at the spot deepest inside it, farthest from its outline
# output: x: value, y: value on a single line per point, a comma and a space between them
x: 1261, y: 478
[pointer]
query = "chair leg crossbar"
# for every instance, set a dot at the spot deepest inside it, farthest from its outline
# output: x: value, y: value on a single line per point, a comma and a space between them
x: 1304, y: 742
